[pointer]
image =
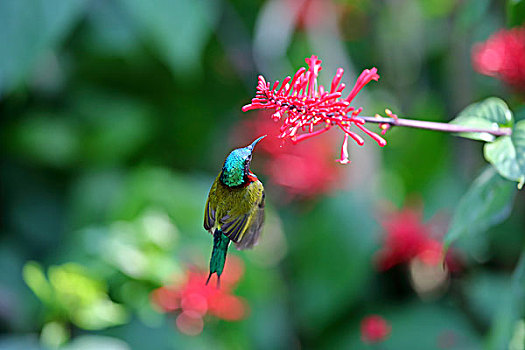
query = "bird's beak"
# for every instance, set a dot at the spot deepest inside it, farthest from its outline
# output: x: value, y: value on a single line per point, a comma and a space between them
x: 251, y: 147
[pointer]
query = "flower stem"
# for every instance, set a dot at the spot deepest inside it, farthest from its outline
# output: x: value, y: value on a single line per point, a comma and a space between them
x: 446, y: 127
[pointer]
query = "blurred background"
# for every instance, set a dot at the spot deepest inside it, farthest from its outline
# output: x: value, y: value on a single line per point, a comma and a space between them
x: 116, y: 116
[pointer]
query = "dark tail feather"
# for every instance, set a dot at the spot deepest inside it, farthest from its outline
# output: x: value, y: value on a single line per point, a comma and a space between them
x: 218, y: 280
x: 218, y: 255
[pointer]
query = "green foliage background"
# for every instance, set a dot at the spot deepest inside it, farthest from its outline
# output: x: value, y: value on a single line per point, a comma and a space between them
x: 117, y: 114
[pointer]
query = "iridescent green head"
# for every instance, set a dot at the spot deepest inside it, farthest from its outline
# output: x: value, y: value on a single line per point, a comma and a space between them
x: 237, y: 165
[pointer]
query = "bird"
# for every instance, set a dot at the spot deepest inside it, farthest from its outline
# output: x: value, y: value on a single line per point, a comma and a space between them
x: 234, y: 210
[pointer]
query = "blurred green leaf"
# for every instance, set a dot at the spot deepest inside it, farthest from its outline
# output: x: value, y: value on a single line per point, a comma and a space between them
x: 76, y: 287
x: 36, y: 280
x: 96, y: 342
x: 426, y: 148
x: 147, y: 241
x: 72, y: 294
x: 270, y: 323
x: 100, y: 314
x: 517, y: 341
x: 519, y: 113
x: 28, y: 28
x: 178, y: 29
x: 484, y: 291
x: 487, y: 114
x: 487, y: 202
x: 415, y: 325
x: 510, y: 310
x: 46, y: 139
x: 116, y: 127
x: 37, y: 212
x: 181, y: 197
x: 17, y: 303
x: 137, y: 296
x: 111, y: 28
x: 507, y: 154
x: 437, y: 8
x: 471, y: 12
x: 93, y: 196
x: 54, y: 334
x: 84, y: 298
x: 140, y: 336
x: 515, y: 12
x: 332, y: 261
x: 430, y: 327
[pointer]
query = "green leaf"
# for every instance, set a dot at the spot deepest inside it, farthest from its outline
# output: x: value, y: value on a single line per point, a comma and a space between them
x: 518, y: 338
x: 45, y: 139
x: 483, y: 292
x: 491, y: 113
x: 118, y: 126
x: 90, y: 342
x: 321, y: 292
x: 72, y: 292
x: 36, y: 280
x: 177, y: 29
x: 29, y: 28
x: 85, y: 298
x: 54, y: 334
x: 111, y: 30
x: 507, y: 154
x: 510, y: 310
x: 487, y: 203
x: 515, y: 12
x: 469, y: 13
x: 415, y: 325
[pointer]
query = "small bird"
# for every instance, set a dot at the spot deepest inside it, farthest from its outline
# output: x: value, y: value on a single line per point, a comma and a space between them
x: 235, y: 207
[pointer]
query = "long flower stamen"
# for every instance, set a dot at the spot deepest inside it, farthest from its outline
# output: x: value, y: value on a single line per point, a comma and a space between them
x: 302, y: 105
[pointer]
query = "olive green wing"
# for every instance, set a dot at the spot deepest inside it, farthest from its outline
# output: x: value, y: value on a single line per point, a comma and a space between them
x: 238, y: 222
x: 210, y: 209
x: 251, y: 236
x: 209, y: 216
x: 234, y: 227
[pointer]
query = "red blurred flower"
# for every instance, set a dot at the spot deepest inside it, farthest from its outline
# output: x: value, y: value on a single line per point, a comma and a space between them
x: 307, y: 12
x: 194, y: 299
x: 304, y: 170
x: 374, y: 328
x: 407, y: 237
x: 307, y: 110
x: 502, y: 56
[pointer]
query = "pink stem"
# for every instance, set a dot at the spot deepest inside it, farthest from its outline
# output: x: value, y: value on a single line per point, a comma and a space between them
x: 445, y: 127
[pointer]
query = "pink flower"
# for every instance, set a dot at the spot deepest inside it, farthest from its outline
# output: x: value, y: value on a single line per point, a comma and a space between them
x: 303, y: 170
x: 406, y: 238
x: 502, y: 56
x: 306, y: 109
x: 194, y: 299
x: 374, y: 329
